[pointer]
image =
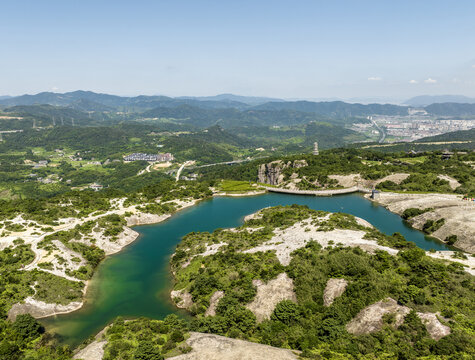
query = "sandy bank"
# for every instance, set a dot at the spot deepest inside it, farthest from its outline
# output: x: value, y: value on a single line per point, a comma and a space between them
x: 40, y: 309
x: 249, y: 193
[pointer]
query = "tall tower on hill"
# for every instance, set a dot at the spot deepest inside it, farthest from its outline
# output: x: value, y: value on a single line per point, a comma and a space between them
x: 315, y: 148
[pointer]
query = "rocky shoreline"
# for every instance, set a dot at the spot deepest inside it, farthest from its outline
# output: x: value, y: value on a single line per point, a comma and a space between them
x: 394, y: 202
x: 40, y: 309
x: 458, y: 214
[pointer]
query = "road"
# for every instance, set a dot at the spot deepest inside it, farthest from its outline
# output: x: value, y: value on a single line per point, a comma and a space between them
x: 181, y: 169
x: 381, y: 132
x: 143, y: 171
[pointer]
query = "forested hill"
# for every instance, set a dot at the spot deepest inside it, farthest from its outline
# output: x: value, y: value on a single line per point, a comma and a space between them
x: 335, y: 108
x: 118, y: 103
x: 233, y: 117
x: 463, y: 135
x: 451, y: 109
x: 425, y: 100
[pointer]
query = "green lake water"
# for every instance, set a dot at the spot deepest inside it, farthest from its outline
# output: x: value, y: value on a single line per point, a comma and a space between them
x: 136, y: 282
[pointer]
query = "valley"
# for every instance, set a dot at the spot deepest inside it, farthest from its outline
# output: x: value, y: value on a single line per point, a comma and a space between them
x: 205, y: 228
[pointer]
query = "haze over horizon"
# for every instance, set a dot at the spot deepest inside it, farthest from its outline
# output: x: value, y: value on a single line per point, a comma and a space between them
x: 282, y: 49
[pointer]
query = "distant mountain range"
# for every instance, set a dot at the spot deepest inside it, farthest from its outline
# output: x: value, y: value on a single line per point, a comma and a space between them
x: 425, y: 100
x: 90, y: 101
x: 451, y: 109
x: 226, y: 110
x: 249, y: 100
x: 335, y: 108
x: 116, y: 103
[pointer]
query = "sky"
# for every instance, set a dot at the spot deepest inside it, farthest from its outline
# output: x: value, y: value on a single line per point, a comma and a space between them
x: 311, y: 49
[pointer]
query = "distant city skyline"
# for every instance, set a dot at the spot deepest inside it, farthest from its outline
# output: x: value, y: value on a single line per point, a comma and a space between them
x: 291, y: 50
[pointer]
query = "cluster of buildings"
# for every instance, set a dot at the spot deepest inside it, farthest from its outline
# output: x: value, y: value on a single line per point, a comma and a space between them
x: 414, y: 126
x: 166, y: 157
x: 419, y: 128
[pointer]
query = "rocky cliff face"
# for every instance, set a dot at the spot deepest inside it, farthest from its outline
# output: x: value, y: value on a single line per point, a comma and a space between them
x: 271, y: 173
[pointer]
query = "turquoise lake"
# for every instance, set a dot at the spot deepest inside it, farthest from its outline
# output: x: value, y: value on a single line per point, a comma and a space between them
x: 136, y: 282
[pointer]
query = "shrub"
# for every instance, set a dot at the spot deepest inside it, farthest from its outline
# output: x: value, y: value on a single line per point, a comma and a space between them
x: 286, y: 311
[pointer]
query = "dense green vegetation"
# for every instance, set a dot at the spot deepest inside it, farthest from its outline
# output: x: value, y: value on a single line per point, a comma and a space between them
x: 423, y: 168
x: 25, y: 338
x: 76, y: 130
x: 145, y: 339
x: 433, y: 225
x: 411, y: 278
x: 412, y: 212
x: 16, y: 284
x: 418, y: 182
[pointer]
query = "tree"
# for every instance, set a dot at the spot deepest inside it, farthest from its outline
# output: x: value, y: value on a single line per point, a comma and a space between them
x: 286, y: 311
x: 27, y: 327
x: 9, y: 350
x: 177, y: 336
x: 147, y: 351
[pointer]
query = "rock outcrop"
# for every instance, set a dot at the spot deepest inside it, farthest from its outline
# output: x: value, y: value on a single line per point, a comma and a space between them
x: 271, y: 173
x: 213, y: 303
x: 40, y: 309
x: 370, y: 319
x: 215, y: 347
x: 334, y: 288
x: 93, y: 351
x: 459, y: 215
x: 434, y: 327
x: 182, y: 298
x: 270, y: 294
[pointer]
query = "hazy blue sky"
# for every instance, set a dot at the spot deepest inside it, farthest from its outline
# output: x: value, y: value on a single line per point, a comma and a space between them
x: 291, y: 49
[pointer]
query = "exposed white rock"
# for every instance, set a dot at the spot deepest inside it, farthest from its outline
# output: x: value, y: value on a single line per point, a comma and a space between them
x: 459, y: 215
x: 215, y: 347
x: 334, y: 288
x: 213, y: 303
x: 145, y: 219
x: 469, y: 262
x: 434, y: 327
x: 370, y: 319
x: 93, y: 351
x: 40, y: 309
x: 453, y: 183
x: 284, y: 242
x: 270, y: 294
x: 184, y: 298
